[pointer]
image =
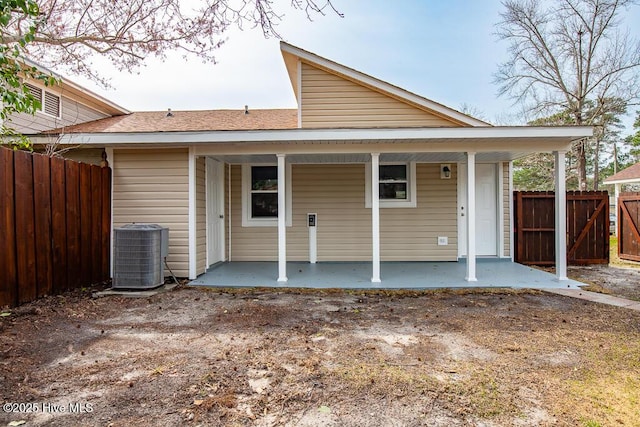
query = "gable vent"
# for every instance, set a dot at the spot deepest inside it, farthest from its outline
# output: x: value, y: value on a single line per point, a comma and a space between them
x: 51, y: 104
x: 35, y: 91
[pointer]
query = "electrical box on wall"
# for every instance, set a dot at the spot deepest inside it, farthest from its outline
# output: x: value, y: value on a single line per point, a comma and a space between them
x: 443, y: 241
x: 311, y: 219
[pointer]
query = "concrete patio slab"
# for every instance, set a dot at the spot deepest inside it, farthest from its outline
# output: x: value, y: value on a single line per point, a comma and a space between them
x: 491, y: 273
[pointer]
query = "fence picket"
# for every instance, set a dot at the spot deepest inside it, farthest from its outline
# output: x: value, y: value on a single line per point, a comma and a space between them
x: 72, y: 191
x: 8, y: 272
x: 85, y: 200
x: 25, y: 226
x: 42, y: 205
x: 59, y: 224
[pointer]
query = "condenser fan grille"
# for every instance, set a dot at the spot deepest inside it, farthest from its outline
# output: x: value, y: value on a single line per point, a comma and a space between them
x: 139, y: 251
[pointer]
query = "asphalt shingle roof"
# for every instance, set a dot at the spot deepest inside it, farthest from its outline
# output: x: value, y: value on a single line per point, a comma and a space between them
x: 203, y: 120
x: 632, y: 172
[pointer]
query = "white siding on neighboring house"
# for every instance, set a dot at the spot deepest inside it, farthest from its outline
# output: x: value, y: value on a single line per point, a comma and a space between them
x: 73, y: 112
x: 336, y: 193
x: 330, y: 101
x: 152, y: 186
x: 201, y: 216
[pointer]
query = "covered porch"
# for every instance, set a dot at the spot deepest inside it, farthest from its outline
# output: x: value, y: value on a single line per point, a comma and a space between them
x: 492, y: 273
x: 448, y: 150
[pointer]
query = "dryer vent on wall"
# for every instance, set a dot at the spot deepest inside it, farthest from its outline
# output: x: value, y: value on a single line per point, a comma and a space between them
x: 139, y: 252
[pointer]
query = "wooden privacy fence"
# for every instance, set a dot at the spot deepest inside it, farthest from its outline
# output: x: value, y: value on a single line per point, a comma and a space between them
x: 55, y: 224
x: 587, y: 227
x: 629, y: 226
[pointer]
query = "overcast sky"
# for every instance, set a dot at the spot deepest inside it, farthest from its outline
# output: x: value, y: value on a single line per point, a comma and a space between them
x: 443, y: 50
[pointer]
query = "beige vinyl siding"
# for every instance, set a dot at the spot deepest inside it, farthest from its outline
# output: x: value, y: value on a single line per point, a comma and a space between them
x: 506, y: 196
x: 330, y: 101
x: 72, y: 112
x: 201, y: 216
x: 336, y: 193
x: 249, y: 243
x: 412, y: 234
x: 152, y: 186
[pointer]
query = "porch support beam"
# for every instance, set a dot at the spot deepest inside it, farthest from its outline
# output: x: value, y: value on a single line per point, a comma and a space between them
x: 375, y: 216
x: 471, y: 217
x: 282, y: 226
x: 561, y: 216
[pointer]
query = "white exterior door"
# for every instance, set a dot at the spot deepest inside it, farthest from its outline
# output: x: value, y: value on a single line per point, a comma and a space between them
x: 215, y: 211
x: 486, y: 210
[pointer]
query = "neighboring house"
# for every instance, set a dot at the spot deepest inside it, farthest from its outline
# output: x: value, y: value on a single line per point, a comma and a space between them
x: 628, y: 176
x: 64, y: 104
x: 390, y: 176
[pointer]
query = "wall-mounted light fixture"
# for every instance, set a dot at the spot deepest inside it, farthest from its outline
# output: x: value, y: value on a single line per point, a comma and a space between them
x: 445, y: 171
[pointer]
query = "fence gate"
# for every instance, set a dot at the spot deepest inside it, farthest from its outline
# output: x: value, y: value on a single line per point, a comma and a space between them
x: 587, y: 227
x: 629, y: 226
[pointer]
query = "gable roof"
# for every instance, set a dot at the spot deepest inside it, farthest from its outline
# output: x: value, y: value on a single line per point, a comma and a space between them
x: 201, y: 120
x: 292, y: 54
x: 79, y: 92
x: 625, y: 176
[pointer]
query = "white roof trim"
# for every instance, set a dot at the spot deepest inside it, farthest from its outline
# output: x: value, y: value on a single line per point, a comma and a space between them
x: 569, y: 133
x: 381, y: 85
x: 622, y: 181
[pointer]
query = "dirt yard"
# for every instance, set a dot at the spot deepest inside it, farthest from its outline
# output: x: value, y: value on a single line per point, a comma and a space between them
x: 311, y: 358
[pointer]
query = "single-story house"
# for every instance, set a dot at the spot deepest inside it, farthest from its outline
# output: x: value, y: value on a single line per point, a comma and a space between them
x: 628, y: 176
x: 362, y: 171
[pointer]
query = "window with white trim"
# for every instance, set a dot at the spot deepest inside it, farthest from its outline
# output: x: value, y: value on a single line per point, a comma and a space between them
x: 397, y: 185
x: 260, y: 195
x: 264, y: 192
x: 49, y: 103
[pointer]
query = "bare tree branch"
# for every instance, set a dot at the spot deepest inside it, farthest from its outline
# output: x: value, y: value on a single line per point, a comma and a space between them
x: 569, y: 55
x: 127, y: 32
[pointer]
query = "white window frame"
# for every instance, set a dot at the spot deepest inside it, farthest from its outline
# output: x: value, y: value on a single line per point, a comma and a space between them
x: 247, y: 220
x: 412, y: 192
x: 43, y: 98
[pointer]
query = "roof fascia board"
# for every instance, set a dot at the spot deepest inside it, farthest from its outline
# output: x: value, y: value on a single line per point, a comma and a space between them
x: 309, y: 135
x: 380, y: 85
x: 622, y: 181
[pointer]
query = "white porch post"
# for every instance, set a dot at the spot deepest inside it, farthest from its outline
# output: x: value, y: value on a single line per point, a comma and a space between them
x: 561, y: 216
x: 617, y: 194
x: 471, y: 218
x: 282, y: 226
x: 375, y: 216
x: 193, y: 273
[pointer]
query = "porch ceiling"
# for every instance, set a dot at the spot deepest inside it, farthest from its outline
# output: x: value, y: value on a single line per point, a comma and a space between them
x: 365, y: 158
